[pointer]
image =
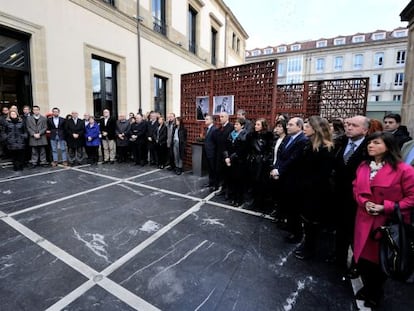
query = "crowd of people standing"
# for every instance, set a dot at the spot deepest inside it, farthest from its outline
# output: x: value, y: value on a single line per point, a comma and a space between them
x: 33, y: 139
x: 341, y: 177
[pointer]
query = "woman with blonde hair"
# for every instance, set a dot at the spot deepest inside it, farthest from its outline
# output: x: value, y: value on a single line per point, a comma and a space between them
x: 317, y: 164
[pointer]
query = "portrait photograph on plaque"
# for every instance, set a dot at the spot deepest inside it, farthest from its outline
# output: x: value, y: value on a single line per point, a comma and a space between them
x: 223, y: 104
x: 202, y: 107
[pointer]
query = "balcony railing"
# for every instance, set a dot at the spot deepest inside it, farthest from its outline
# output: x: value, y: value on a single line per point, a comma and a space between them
x: 159, y: 26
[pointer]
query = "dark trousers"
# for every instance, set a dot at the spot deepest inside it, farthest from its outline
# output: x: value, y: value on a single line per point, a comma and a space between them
x: 344, y: 226
x: 122, y: 153
x: 161, y: 153
x: 153, y: 153
x: 17, y: 158
x: 212, y: 175
x: 170, y: 153
x: 92, y: 152
x: 138, y: 152
x: 373, y: 278
x: 290, y: 203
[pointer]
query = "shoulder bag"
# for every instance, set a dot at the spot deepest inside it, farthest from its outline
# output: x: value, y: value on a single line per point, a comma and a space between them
x: 396, y: 250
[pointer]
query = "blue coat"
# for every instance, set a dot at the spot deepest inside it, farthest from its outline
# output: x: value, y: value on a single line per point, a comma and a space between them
x: 93, y: 132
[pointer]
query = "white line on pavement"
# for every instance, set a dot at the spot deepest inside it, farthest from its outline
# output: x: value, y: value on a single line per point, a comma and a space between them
x: 164, y: 191
x: 72, y: 296
x: 121, y: 261
x: 63, y: 199
x: 51, y: 248
x: 33, y: 175
x: 126, y: 296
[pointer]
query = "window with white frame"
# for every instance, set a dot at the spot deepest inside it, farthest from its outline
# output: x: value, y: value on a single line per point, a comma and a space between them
x: 320, y: 64
x: 338, y: 63
x: 281, y: 49
x: 268, y: 51
x: 378, y: 36
x: 375, y: 98
x: 295, y: 47
x: 256, y: 53
x: 400, y: 33
x: 357, y: 39
x: 401, y: 57
x: 358, y: 61
x: 379, y: 59
x: 294, y: 64
x: 397, y: 97
x: 321, y: 44
x: 376, y: 80
x: 399, y: 79
x: 339, y: 41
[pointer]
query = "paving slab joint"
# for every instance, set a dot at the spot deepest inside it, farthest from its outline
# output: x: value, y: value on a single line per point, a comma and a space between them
x: 97, y: 278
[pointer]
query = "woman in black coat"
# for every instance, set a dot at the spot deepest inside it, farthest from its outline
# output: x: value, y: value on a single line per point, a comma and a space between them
x: 259, y: 160
x: 317, y: 163
x: 235, y: 157
x: 179, y: 140
x: 15, y: 136
x: 160, y: 139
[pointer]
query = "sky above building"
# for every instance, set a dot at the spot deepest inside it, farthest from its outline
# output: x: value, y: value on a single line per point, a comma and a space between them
x: 274, y: 22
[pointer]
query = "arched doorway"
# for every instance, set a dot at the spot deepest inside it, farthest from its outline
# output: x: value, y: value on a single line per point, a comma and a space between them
x: 15, y: 80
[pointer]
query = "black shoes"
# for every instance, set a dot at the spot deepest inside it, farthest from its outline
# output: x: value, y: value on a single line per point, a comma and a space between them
x: 371, y: 300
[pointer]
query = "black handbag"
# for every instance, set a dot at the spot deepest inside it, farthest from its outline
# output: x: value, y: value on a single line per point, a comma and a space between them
x: 396, y: 251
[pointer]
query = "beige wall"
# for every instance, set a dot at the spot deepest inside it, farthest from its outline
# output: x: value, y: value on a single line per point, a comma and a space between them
x: 65, y: 33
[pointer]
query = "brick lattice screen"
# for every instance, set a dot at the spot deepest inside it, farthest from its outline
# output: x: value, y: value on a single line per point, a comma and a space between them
x: 255, y: 91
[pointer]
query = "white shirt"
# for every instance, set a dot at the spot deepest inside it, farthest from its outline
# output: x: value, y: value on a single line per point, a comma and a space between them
x: 278, y: 142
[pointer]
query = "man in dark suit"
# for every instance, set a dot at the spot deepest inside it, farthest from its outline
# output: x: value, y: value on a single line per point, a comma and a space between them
x: 56, y: 127
x: 75, y: 130
x: 152, y: 127
x: 349, y: 153
x: 107, y: 126
x: 287, y: 171
x: 221, y: 140
x: 210, y: 152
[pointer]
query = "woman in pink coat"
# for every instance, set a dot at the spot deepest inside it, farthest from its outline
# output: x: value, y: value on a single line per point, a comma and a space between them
x: 380, y: 182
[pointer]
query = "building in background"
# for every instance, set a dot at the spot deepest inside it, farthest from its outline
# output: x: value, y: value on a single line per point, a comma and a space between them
x: 407, y: 109
x: 380, y: 56
x: 90, y: 54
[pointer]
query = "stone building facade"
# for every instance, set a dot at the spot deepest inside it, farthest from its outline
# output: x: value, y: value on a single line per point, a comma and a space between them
x: 126, y: 55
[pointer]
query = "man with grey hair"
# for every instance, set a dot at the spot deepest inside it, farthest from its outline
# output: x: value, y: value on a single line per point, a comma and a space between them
x: 350, y: 151
x: 75, y: 130
x: 223, y: 133
x: 288, y: 172
x: 107, y: 126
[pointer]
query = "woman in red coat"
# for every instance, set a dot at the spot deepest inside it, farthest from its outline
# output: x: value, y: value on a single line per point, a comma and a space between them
x: 380, y: 182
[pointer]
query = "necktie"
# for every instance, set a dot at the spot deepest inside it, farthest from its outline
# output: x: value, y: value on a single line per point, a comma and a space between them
x: 289, y: 142
x: 350, y: 152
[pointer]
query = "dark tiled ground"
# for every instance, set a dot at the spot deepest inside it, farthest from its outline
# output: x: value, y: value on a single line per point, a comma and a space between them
x: 122, y: 237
